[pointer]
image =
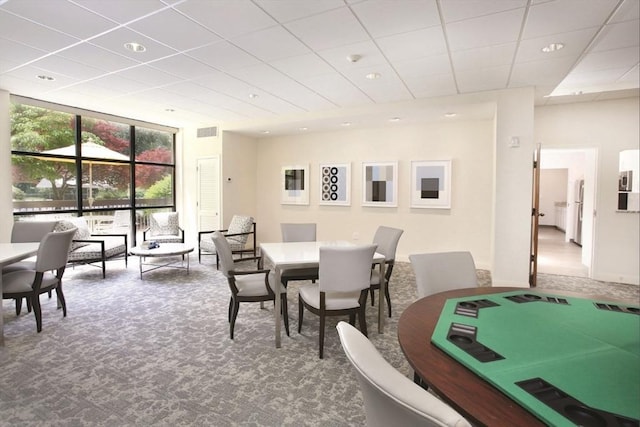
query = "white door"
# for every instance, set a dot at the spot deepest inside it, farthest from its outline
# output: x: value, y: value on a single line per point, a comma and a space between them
x: 209, y: 193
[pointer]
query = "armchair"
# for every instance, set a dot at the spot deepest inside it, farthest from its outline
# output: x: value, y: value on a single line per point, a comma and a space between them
x: 164, y: 227
x: 240, y: 228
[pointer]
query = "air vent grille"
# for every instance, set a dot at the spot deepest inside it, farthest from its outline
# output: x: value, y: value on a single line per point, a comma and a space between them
x: 208, y: 132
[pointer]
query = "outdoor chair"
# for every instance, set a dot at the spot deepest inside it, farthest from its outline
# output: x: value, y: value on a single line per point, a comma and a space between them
x: 237, y: 234
x: 164, y: 227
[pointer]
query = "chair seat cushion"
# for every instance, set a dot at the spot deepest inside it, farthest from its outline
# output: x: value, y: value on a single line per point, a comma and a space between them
x: 252, y: 285
x: 113, y: 246
x: 206, y: 244
x: 166, y: 238
x: 21, y: 281
x: 310, y: 293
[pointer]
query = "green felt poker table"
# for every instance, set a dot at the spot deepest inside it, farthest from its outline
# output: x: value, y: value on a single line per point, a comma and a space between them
x: 519, y: 357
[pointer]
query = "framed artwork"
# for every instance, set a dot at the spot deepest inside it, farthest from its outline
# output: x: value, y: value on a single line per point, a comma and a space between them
x: 295, y: 185
x: 380, y: 184
x: 431, y: 184
x: 335, y: 184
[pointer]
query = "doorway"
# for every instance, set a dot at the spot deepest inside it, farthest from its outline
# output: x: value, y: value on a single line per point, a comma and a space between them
x: 563, y: 219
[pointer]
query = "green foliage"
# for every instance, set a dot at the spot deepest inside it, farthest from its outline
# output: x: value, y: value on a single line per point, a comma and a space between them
x: 161, y: 189
x: 18, y: 194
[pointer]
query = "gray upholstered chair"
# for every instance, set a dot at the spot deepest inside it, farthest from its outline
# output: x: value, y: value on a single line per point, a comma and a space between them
x: 387, y: 239
x: 443, y: 271
x: 342, y: 287
x: 52, y: 255
x: 164, y: 227
x: 298, y: 232
x: 88, y: 248
x: 390, y: 398
x: 25, y: 232
x: 246, y: 285
x: 238, y: 232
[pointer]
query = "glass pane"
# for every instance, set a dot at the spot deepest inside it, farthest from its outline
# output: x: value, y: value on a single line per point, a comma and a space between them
x: 35, y: 129
x: 42, y: 185
x: 154, y: 186
x: 113, y: 139
x: 154, y: 146
x: 105, y: 185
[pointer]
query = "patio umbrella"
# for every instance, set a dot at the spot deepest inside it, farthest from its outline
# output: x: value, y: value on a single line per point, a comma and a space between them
x: 89, y: 149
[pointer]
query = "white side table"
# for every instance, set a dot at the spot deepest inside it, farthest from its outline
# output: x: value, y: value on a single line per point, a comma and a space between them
x: 165, y: 250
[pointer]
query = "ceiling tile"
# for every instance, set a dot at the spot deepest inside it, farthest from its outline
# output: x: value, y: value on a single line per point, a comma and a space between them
x: 123, y: 11
x: 484, y: 57
x: 223, y: 56
x: 63, y: 66
x: 614, y: 36
x: 482, y: 79
x: 31, y: 34
x: 337, y: 89
x: 18, y: 52
x: 70, y: 18
x: 435, y: 85
x: 550, y: 71
x: 98, y: 57
x: 575, y: 43
x: 149, y: 75
x: 115, y: 41
x: 175, y: 30
x: 426, y: 42
x: 629, y: 11
x: 227, y: 18
x: 369, y: 54
x: 289, y: 10
x: 384, y: 18
x: 337, y: 27
x: 616, y: 58
x: 182, y: 66
x: 496, y: 29
x: 299, y: 67
x: 271, y: 44
x: 560, y: 16
x: 453, y: 11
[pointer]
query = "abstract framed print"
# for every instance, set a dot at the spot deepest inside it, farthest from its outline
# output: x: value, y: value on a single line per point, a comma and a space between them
x: 431, y: 184
x: 335, y: 184
x: 380, y: 184
x: 295, y: 185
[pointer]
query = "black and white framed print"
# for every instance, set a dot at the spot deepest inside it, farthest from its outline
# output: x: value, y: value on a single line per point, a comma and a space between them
x: 295, y: 185
x: 431, y: 184
x: 380, y: 184
x: 335, y: 184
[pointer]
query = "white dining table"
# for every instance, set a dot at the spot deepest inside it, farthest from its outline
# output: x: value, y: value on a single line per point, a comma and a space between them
x: 284, y: 255
x: 10, y: 253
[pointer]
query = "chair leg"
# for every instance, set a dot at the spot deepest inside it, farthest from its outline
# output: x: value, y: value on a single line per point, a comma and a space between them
x: 28, y: 304
x: 362, y: 319
x: 300, y: 313
x: 236, y: 307
x: 285, y: 313
x: 321, y: 336
x: 61, y: 299
x: 352, y: 319
x: 373, y: 301
x: 230, y: 308
x: 18, y: 306
x: 388, y: 297
x: 35, y: 303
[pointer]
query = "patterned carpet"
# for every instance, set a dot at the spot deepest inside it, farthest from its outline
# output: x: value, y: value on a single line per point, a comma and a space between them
x: 157, y: 352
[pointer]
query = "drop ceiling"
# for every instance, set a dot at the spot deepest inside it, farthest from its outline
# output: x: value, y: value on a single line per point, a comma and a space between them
x: 284, y: 65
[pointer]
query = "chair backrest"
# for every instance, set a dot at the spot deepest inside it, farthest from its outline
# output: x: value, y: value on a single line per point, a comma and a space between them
x: 298, y: 232
x: 390, y: 398
x: 31, y: 231
x: 121, y: 220
x: 345, y: 268
x: 223, y: 250
x: 54, y: 250
x: 443, y: 271
x: 387, y: 240
x: 240, y: 224
x: 164, y: 224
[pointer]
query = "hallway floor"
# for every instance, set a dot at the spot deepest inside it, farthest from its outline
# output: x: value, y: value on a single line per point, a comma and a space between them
x: 555, y: 256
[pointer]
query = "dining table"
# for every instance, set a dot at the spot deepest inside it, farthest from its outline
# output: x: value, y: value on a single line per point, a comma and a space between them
x: 10, y: 253
x: 286, y: 255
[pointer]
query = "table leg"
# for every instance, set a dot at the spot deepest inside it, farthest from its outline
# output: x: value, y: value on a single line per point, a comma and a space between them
x: 140, y: 258
x: 278, y: 306
x: 381, y: 299
x: 1, y: 315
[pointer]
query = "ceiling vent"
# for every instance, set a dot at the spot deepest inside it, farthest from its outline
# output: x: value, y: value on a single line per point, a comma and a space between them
x: 208, y: 132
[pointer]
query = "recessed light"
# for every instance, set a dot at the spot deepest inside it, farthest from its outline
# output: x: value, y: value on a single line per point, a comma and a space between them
x: 346, y: 123
x: 47, y: 78
x: 353, y: 58
x: 169, y: 110
x: 373, y: 76
x: 135, y: 47
x: 450, y: 114
x: 253, y: 95
x: 552, y: 47
x: 304, y: 128
x: 394, y: 119
x: 266, y: 131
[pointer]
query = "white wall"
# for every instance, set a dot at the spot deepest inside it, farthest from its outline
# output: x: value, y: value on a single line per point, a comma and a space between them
x: 608, y: 127
x: 553, y: 190
x: 6, y: 194
x: 240, y: 182
x: 466, y: 226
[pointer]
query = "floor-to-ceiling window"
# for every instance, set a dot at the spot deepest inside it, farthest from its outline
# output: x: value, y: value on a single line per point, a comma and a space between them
x: 111, y: 170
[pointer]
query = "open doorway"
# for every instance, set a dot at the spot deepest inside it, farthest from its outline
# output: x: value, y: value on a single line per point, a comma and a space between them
x: 567, y: 196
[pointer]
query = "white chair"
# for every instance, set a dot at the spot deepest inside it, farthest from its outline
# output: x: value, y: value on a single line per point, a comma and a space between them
x: 342, y: 287
x: 443, y: 271
x: 387, y: 239
x: 390, y: 398
x: 298, y: 232
x: 238, y: 232
x: 164, y: 227
x: 52, y: 255
x: 246, y: 285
